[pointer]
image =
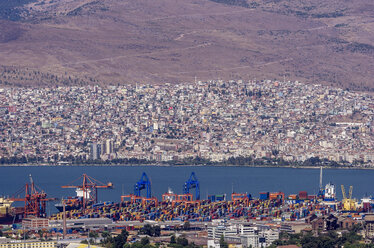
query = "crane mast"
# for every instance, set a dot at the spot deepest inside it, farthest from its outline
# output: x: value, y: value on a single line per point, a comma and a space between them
x: 88, y: 189
x: 35, y: 199
x: 191, y: 183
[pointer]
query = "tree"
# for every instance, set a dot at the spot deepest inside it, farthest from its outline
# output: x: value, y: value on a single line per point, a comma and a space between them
x: 186, y: 225
x: 172, y: 239
x: 147, y: 230
x: 41, y: 234
x: 136, y: 245
x: 156, y: 231
x: 107, y: 240
x: 144, y: 241
x: 275, y: 152
x: 105, y: 234
x: 120, y: 240
x: 331, y: 239
x: 182, y: 241
x: 222, y: 243
x: 93, y: 235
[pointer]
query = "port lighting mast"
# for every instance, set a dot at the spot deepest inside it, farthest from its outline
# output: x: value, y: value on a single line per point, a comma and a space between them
x: 89, y: 188
x: 191, y: 183
x: 143, y: 183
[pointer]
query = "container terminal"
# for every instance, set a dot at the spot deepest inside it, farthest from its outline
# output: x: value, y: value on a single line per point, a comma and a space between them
x: 141, y: 205
x: 238, y: 217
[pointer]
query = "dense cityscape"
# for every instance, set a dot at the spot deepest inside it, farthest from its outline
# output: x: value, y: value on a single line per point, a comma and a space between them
x: 186, y: 124
x: 213, y: 120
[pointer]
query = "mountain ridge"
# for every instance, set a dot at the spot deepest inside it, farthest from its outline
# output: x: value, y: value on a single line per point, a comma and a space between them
x: 172, y: 41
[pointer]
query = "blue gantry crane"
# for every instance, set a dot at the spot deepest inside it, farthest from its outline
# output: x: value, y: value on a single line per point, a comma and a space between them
x: 191, y: 183
x: 143, y: 183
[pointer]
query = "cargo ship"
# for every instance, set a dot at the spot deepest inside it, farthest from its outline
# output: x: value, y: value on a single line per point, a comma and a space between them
x: 8, y: 214
x: 76, y: 202
x: 329, y: 192
x: 367, y: 204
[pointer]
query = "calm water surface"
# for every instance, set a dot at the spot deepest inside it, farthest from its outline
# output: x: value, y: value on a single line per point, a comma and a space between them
x: 213, y: 180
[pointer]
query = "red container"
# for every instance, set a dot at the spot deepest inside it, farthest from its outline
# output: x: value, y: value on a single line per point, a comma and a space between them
x: 367, y: 206
x: 292, y: 197
x: 303, y: 195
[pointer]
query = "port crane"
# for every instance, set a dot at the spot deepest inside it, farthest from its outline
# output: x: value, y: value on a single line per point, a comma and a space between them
x: 35, y: 199
x: 88, y: 189
x: 191, y: 183
x: 143, y: 183
x: 349, y: 204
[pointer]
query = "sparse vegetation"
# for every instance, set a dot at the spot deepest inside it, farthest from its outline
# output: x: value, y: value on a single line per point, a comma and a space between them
x: 242, y: 3
x: 11, y: 9
x: 356, y: 47
x: 88, y: 8
x: 328, y: 15
x: 279, y: 37
x: 340, y: 25
x: 16, y: 76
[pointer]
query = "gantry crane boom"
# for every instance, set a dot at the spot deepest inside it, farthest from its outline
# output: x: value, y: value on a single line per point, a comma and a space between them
x: 349, y: 204
x: 88, y: 189
x: 343, y: 192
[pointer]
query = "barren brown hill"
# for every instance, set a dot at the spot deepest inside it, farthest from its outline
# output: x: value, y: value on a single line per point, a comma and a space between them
x: 156, y: 41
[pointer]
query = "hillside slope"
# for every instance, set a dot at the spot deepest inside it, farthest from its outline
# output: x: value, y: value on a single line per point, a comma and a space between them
x: 157, y: 41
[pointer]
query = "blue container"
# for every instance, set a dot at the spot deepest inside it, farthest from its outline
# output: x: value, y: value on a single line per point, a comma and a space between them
x: 264, y: 196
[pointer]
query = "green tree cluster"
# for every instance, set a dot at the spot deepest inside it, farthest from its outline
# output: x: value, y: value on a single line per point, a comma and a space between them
x: 349, y: 239
x: 93, y: 235
x: 153, y: 231
x: 181, y: 242
x: 223, y: 243
x: 114, y: 242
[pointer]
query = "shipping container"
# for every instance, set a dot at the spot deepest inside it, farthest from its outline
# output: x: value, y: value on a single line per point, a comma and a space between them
x: 264, y: 195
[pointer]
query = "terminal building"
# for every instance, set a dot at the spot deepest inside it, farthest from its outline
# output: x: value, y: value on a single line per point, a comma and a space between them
x: 246, y: 235
x: 8, y: 243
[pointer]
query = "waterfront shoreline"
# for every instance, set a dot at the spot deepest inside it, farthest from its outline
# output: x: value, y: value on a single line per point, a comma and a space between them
x: 213, y: 179
x: 185, y: 165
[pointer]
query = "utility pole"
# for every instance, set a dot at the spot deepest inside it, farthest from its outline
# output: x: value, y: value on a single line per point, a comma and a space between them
x: 64, y: 219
